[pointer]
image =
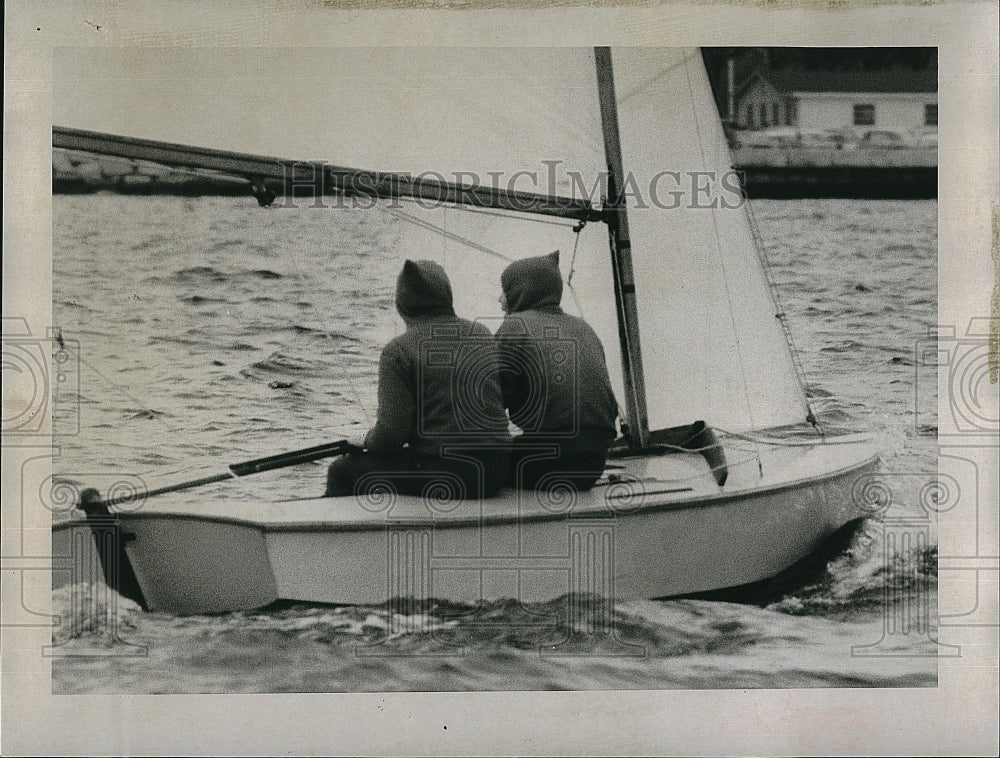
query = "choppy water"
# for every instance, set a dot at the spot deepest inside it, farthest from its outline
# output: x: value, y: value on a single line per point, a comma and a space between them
x: 211, y: 331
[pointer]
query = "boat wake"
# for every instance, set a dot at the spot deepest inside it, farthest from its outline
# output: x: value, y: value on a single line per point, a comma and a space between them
x: 92, y: 614
x: 861, y: 581
x: 573, y: 642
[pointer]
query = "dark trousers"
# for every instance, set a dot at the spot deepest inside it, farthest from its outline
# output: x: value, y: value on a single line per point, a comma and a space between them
x: 461, y: 476
x: 550, y: 464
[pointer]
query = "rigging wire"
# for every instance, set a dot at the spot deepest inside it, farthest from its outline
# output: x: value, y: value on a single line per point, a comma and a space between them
x: 328, y: 335
x: 424, y: 224
x: 155, y: 416
x: 564, y: 112
x: 576, y: 298
x: 444, y: 226
x: 572, y: 269
x: 662, y: 73
x: 576, y: 244
x: 350, y: 383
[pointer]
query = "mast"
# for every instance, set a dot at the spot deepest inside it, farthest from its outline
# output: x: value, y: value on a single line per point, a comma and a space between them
x: 621, y: 257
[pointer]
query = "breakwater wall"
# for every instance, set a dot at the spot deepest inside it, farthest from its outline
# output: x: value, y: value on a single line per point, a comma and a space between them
x: 81, y: 173
x: 792, y: 172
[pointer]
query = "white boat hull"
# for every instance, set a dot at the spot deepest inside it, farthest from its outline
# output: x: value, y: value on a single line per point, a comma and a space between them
x: 667, y: 530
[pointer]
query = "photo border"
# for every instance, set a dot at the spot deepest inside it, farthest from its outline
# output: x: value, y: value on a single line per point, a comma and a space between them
x: 958, y: 716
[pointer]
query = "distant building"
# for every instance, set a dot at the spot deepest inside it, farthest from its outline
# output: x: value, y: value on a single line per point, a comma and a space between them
x: 897, y: 98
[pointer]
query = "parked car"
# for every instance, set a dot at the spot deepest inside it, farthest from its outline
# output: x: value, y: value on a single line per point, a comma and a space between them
x: 882, y: 138
x: 924, y: 136
x: 756, y: 139
x: 816, y: 138
x: 781, y: 137
x: 843, y: 138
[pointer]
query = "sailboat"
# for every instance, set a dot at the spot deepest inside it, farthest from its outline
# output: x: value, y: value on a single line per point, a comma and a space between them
x: 707, y: 488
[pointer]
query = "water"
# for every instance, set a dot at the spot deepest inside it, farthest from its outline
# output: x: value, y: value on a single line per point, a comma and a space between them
x: 211, y: 332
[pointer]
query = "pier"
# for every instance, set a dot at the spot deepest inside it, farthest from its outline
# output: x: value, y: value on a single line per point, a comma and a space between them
x: 806, y: 172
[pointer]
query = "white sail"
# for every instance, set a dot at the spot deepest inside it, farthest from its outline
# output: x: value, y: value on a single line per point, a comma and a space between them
x: 526, y: 119
x: 712, y: 346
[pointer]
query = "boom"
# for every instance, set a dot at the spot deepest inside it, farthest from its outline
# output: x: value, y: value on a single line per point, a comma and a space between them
x: 325, y: 178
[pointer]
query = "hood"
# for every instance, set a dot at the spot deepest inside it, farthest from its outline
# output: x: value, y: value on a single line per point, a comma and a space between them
x: 423, y: 289
x: 533, y: 283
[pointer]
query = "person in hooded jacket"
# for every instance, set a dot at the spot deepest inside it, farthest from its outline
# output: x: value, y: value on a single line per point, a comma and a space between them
x: 554, y: 381
x: 440, y: 426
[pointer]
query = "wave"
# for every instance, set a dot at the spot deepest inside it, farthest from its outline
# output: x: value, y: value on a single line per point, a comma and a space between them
x: 156, y: 241
x: 860, y: 580
x: 324, y: 333
x: 192, y: 274
x: 144, y: 414
x: 73, y: 304
x: 155, y: 339
x: 263, y: 273
x: 282, y: 362
x: 815, y: 391
x: 210, y: 274
x: 198, y: 299
x: 283, y: 371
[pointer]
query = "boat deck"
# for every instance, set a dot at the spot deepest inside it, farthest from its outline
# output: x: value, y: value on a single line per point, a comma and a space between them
x: 664, y: 481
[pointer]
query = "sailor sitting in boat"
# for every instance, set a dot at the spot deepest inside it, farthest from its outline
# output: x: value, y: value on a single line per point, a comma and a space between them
x: 441, y: 428
x: 555, y: 382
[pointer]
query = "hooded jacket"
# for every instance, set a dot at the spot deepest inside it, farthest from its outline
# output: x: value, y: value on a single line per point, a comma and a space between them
x: 553, y: 373
x: 438, y: 381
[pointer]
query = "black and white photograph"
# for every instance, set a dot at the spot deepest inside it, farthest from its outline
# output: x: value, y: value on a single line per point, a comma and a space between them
x: 627, y: 366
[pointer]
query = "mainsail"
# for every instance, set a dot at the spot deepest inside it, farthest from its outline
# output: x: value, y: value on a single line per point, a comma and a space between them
x: 523, y: 119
